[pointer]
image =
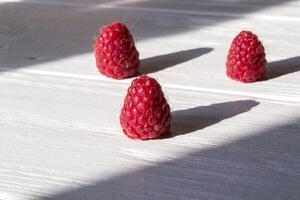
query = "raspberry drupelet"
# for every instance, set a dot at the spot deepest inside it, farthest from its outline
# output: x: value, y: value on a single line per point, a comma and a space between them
x: 246, y: 60
x: 115, y: 52
x: 146, y: 112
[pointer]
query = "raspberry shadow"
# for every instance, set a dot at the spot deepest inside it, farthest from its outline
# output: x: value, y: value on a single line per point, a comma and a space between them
x: 193, y: 119
x: 158, y: 63
x: 283, y: 67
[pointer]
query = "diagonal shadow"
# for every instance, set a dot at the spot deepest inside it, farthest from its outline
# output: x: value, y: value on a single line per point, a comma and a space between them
x: 265, y: 165
x: 157, y: 63
x: 193, y: 119
x: 283, y: 67
x: 34, y: 32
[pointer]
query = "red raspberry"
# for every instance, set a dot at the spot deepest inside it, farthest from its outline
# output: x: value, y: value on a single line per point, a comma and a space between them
x: 115, y: 52
x: 246, y: 60
x: 146, y: 112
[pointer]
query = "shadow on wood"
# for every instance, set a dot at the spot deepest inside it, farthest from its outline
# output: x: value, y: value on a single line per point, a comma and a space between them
x: 157, y: 63
x: 193, y: 119
x: 265, y: 165
x: 35, y: 32
x: 283, y: 67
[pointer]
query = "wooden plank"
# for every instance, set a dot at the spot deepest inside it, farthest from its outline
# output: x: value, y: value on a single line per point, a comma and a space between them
x: 59, y: 119
x: 195, y: 32
x: 57, y: 135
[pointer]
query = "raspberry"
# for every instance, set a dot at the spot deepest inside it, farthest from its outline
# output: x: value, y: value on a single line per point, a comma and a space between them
x: 246, y: 60
x: 115, y: 52
x: 146, y: 112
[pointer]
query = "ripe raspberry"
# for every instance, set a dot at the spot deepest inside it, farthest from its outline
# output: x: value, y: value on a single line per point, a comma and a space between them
x: 115, y: 52
x: 146, y: 112
x: 246, y: 60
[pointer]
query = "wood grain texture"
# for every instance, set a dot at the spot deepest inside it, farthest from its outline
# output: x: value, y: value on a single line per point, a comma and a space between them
x: 60, y: 136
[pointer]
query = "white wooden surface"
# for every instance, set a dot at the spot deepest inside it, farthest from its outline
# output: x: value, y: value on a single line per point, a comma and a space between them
x: 60, y: 136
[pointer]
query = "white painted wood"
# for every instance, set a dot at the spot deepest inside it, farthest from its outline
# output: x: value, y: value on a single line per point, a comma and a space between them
x: 76, y: 27
x: 60, y: 136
